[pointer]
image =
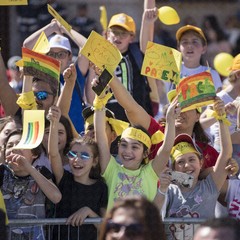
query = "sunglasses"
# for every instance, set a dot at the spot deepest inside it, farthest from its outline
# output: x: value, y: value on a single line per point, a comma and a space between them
x: 42, y: 95
x: 72, y: 155
x: 131, y: 230
x: 59, y: 55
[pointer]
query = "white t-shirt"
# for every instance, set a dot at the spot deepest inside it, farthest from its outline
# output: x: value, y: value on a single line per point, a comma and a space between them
x: 186, y: 72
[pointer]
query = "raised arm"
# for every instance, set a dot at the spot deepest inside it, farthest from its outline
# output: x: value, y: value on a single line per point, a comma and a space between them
x: 160, y: 161
x: 100, y: 132
x: 47, y: 186
x: 53, y: 151
x: 8, y: 96
x: 79, y: 40
x: 219, y: 173
x: 149, y: 16
x: 135, y: 113
x: 49, y: 29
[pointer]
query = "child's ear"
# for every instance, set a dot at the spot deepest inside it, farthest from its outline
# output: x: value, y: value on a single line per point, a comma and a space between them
x: 95, y: 161
x: 145, y: 154
x: 204, y: 49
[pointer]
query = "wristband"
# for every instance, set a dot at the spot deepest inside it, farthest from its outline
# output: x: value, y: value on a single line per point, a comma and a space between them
x: 162, y: 193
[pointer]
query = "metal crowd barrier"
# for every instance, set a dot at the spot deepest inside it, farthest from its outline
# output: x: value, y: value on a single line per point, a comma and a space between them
x: 48, y: 223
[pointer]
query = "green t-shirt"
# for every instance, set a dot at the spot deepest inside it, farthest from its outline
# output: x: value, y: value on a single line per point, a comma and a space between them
x: 123, y: 182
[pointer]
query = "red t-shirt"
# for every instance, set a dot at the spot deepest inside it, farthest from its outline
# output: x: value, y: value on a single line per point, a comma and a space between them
x: 210, y: 154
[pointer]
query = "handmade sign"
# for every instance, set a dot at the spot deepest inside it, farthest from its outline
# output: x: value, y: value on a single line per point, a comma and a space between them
x: 40, y: 66
x: 162, y: 62
x: 54, y: 13
x: 103, y: 17
x: 101, y: 52
x: 13, y: 2
x: 196, y: 91
x: 33, y: 129
x: 42, y: 45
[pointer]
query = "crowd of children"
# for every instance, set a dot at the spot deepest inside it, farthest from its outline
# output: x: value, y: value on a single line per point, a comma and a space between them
x: 80, y: 170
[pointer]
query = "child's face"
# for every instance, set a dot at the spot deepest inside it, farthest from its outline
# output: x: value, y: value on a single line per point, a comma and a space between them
x: 131, y: 153
x: 45, y: 104
x: 62, y: 137
x: 192, y: 49
x: 188, y: 163
x: 6, y: 131
x: 81, y: 160
x: 120, y: 37
x: 26, y: 153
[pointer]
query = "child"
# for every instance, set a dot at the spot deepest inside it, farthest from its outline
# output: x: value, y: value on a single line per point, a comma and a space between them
x: 192, y: 44
x: 83, y: 193
x: 199, y: 200
x: 135, y: 176
x: 121, y: 32
x: 25, y: 187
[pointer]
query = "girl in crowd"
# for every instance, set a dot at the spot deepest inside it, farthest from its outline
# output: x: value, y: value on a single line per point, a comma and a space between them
x: 198, y: 200
x: 84, y: 193
x: 26, y: 187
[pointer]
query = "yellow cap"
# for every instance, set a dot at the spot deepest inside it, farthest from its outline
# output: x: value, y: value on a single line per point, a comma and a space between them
x: 183, y: 144
x: 183, y: 29
x: 236, y: 63
x: 124, y: 21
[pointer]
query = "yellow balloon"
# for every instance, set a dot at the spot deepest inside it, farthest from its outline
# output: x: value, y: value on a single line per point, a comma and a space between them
x: 222, y: 62
x: 168, y: 15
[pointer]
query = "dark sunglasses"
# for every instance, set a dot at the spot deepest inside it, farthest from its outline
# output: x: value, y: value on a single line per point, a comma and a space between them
x: 72, y: 155
x: 59, y: 55
x: 131, y: 230
x: 42, y: 95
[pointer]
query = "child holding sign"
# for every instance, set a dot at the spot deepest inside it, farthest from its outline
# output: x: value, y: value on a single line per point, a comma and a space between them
x: 136, y: 175
x: 26, y: 187
x: 199, y: 200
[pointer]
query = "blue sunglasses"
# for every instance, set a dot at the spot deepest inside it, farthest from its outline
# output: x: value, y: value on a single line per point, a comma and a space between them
x: 42, y: 95
x: 72, y: 155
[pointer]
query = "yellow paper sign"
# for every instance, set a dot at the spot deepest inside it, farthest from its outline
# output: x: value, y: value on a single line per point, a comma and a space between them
x: 161, y: 62
x: 33, y: 129
x: 13, y: 2
x: 54, y: 13
x: 196, y: 91
x: 42, y: 45
x: 103, y: 17
x: 101, y: 52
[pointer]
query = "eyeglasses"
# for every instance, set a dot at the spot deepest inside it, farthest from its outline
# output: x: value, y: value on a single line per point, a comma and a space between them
x: 120, y: 34
x: 42, y: 95
x: 59, y: 55
x: 131, y: 230
x: 72, y: 155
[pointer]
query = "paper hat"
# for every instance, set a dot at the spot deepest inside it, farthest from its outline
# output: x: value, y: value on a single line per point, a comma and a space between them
x: 173, y: 93
x: 183, y: 29
x: 183, y: 144
x: 124, y: 21
x: 59, y: 41
x: 236, y: 63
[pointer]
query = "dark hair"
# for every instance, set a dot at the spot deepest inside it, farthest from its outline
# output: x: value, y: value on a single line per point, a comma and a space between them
x: 35, y: 151
x: 145, y: 212
x: 224, y: 222
x: 67, y: 125
x: 95, y: 172
x: 196, y: 34
x: 4, y: 121
x: 52, y: 83
x: 199, y: 133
